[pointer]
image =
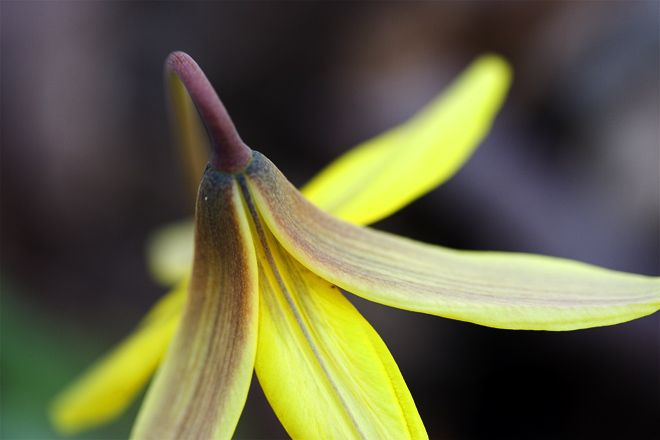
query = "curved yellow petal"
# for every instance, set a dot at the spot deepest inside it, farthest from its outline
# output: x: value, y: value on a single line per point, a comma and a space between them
x: 200, y: 389
x: 504, y: 290
x: 324, y: 369
x: 111, y: 384
x: 380, y: 176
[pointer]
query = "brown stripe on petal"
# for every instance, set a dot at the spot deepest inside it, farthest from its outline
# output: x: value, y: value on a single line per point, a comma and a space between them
x: 200, y: 390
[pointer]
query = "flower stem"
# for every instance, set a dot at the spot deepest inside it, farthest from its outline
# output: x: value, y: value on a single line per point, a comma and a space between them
x: 230, y: 155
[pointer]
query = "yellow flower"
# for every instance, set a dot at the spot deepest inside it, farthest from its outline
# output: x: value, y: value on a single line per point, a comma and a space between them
x: 264, y: 293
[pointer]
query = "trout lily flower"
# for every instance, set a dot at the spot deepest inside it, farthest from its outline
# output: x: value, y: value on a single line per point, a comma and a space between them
x: 269, y: 262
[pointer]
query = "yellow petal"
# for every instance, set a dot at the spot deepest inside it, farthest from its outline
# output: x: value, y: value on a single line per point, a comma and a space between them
x: 200, y: 389
x: 505, y: 290
x: 324, y: 369
x: 170, y: 252
x: 380, y: 176
x: 111, y: 384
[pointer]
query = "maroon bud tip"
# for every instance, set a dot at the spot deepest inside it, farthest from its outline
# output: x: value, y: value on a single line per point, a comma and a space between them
x: 230, y: 155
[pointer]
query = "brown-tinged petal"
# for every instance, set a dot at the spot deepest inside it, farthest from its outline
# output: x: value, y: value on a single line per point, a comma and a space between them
x: 200, y: 390
x: 505, y: 290
x: 324, y: 369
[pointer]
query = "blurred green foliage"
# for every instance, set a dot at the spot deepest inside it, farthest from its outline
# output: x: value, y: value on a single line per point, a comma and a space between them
x: 39, y: 355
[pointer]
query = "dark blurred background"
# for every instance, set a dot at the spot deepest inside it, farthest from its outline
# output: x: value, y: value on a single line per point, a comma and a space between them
x: 571, y: 169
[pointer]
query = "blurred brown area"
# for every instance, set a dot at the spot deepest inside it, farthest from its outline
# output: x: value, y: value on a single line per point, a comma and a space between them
x: 571, y: 169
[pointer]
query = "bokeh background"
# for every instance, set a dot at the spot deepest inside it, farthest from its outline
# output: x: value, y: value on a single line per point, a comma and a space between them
x: 570, y: 169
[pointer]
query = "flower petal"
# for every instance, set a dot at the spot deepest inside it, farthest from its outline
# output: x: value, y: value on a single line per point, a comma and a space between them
x: 111, y: 384
x: 170, y: 252
x: 200, y: 389
x: 504, y: 290
x: 324, y: 369
x: 383, y: 174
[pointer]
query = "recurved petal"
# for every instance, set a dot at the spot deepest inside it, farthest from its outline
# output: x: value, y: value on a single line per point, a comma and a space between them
x: 325, y: 371
x: 201, y: 387
x: 504, y: 290
x: 111, y: 384
x: 381, y: 175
